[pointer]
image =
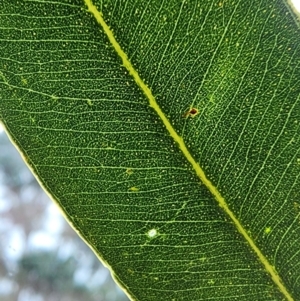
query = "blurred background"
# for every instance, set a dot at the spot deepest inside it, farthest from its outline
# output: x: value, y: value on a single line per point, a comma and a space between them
x: 41, y: 257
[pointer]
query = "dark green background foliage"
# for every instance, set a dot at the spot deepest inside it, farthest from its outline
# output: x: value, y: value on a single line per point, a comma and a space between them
x: 89, y: 134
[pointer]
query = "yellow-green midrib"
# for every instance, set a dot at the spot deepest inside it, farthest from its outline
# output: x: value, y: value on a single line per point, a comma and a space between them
x: 200, y: 173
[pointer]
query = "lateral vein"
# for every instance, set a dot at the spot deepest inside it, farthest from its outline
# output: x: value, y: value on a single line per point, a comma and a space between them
x: 199, y: 171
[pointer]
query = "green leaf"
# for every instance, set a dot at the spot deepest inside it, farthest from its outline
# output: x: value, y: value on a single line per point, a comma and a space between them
x: 168, y: 133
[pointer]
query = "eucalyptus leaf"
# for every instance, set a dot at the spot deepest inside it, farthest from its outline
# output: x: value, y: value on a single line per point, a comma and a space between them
x: 168, y: 134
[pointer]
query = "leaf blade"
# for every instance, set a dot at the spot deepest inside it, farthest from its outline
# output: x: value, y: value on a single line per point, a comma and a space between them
x: 85, y: 158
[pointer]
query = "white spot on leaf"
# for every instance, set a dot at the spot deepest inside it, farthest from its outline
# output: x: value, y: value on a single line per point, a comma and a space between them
x: 152, y: 233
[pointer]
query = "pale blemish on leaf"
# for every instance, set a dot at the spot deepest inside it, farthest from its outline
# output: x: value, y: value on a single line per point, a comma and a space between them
x: 152, y: 233
x: 54, y: 98
x: 134, y: 189
x: 268, y: 230
x: 129, y: 171
x: 297, y: 206
x: 24, y: 81
x: 130, y: 271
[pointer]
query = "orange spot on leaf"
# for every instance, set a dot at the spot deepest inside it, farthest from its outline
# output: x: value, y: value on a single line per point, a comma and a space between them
x: 191, y: 113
